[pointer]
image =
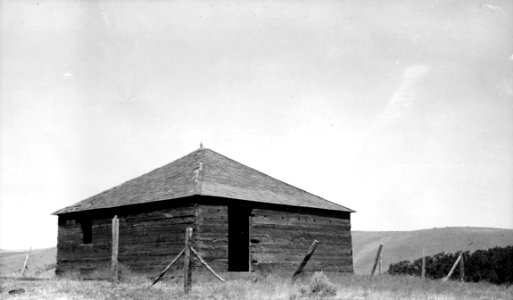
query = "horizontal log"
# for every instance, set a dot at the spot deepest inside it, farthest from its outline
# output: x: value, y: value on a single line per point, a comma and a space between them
x: 152, y: 235
x: 134, y: 252
x: 85, y: 248
x: 158, y: 225
x: 217, y: 217
x: 84, y: 260
x: 320, y: 251
x: 295, y: 253
x: 153, y: 239
x: 211, y: 237
x: 212, y: 209
x: 299, y: 243
x: 147, y: 232
x: 69, y: 234
x: 139, y: 252
x: 298, y: 220
x: 73, y: 257
x: 159, y: 221
x: 210, y: 245
x: 279, y: 236
x: 286, y: 229
x: 213, y: 253
x: 217, y: 222
x: 153, y: 259
x: 269, y: 258
x: 277, y: 213
x: 213, y: 228
x: 274, y: 234
x: 123, y: 252
x: 159, y: 215
x: 267, y: 267
x: 302, y: 227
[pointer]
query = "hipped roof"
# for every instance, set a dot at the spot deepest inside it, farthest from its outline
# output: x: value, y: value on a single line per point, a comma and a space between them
x: 207, y: 173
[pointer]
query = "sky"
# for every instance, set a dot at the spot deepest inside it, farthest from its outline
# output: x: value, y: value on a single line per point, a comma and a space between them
x: 400, y: 110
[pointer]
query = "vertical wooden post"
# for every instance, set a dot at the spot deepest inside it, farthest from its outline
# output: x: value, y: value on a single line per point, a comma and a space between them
x: 462, y: 268
x: 305, y: 259
x: 423, y: 270
x: 187, y: 270
x: 25, y: 263
x: 378, y: 259
x: 250, y: 254
x: 115, y: 248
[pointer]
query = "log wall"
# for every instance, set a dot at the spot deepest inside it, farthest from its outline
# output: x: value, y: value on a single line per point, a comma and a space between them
x: 148, y: 241
x: 76, y: 258
x: 279, y: 240
x: 211, y: 235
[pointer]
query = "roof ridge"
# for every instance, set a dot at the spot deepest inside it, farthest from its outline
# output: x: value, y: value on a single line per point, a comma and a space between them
x: 198, y: 170
x: 201, y: 170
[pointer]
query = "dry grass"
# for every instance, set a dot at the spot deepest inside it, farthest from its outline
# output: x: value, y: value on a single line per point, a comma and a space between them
x: 271, y: 287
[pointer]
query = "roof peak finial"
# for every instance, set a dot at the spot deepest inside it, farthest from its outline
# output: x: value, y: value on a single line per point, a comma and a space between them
x: 201, y: 144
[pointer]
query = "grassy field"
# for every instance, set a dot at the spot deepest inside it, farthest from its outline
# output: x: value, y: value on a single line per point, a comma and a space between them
x: 271, y: 287
x: 41, y: 262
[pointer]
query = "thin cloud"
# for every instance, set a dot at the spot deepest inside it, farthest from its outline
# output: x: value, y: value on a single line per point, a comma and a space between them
x: 401, y: 101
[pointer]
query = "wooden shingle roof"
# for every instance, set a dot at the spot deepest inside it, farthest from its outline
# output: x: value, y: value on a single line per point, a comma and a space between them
x: 207, y: 173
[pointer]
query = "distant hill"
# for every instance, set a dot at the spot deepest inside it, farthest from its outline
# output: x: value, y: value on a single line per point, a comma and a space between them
x: 407, y: 245
x: 397, y: 246
x: 41, y: 262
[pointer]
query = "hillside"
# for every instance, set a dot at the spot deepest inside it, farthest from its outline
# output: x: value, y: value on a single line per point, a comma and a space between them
x: 398, y: 245
x: 407, y: 245
x: 41, y: 262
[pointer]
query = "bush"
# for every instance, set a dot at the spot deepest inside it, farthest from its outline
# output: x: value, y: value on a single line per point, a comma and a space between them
x: 494, y: 265
x: 319, y: 286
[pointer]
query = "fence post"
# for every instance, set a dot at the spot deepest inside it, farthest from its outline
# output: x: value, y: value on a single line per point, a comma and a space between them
x: 25, y: 263
x: 187, y: 272
x: 305, y: 259
x: 452, y: 269
x: 115, y: 248
x: 378, y: 259
x: 379, y: 265
x: 423, y: 271
x: 462, y: 268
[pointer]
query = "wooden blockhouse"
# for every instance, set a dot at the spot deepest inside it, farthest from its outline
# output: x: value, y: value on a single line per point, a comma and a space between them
x: 243, y: 220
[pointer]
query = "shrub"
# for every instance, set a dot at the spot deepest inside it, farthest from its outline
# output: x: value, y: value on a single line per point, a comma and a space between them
x: 319, y: 286
x: 494, y: 265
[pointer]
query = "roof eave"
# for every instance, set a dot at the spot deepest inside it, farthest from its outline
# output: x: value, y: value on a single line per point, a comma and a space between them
x: 67, y: 210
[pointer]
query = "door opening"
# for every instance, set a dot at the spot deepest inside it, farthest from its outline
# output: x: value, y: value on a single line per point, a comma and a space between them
x: 238, y: 238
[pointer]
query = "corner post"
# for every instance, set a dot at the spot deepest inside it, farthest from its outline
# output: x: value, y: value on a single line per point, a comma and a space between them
x: 462, y: 268
x: 114, y: 267
x: 187, y: 270
x: 423, y: 270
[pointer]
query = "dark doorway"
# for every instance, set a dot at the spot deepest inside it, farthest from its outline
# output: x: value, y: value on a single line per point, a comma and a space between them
x: 238, y: 238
